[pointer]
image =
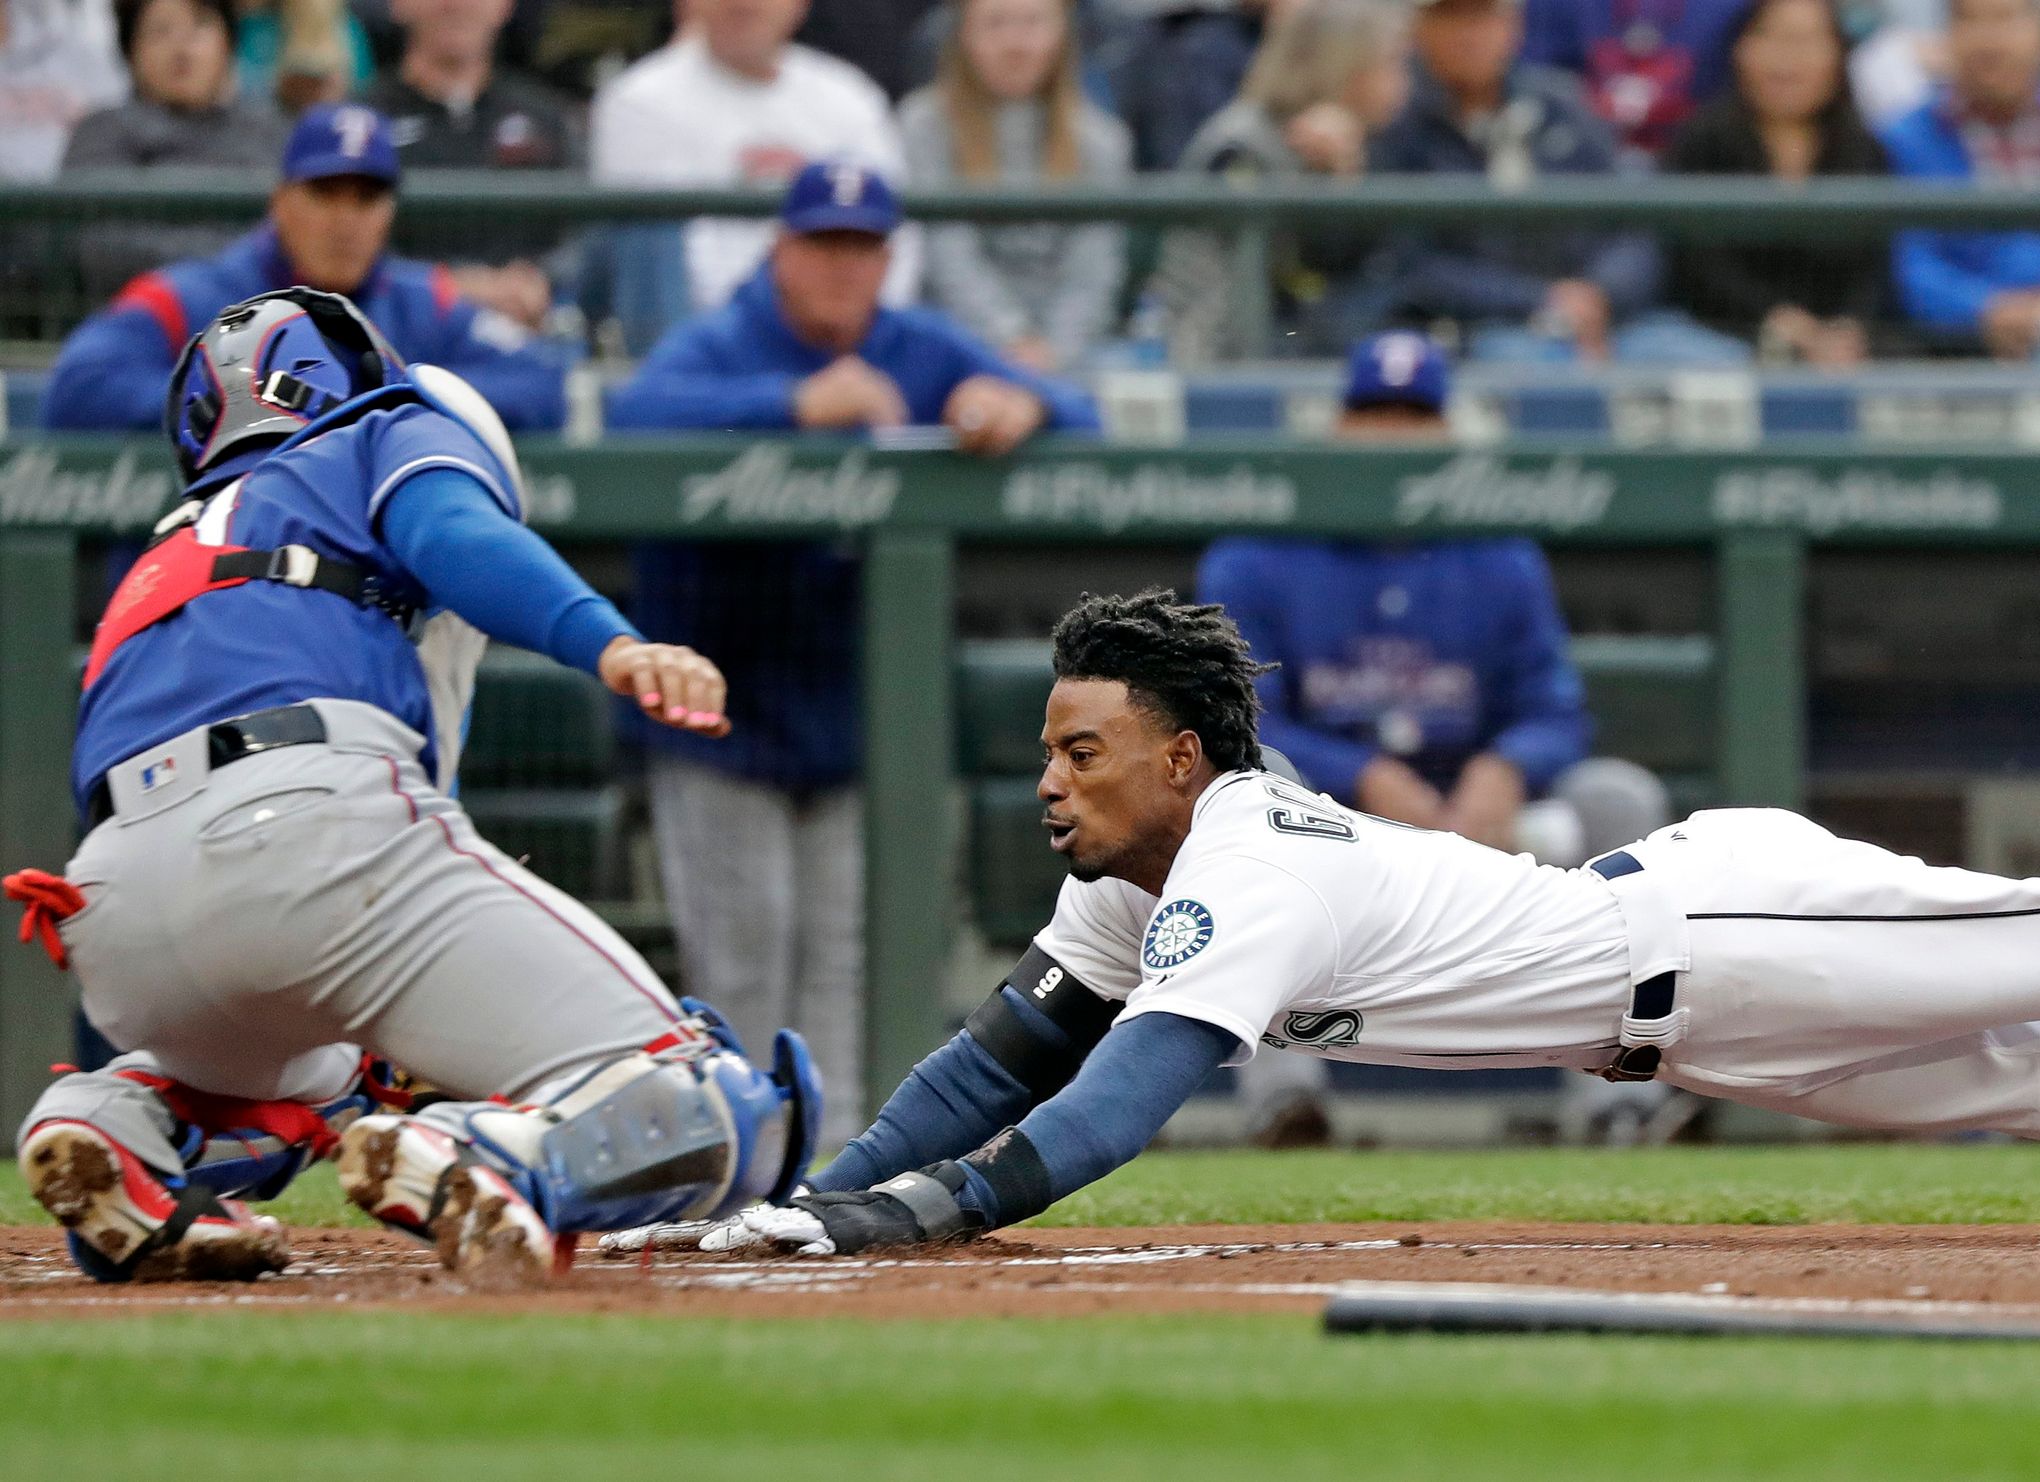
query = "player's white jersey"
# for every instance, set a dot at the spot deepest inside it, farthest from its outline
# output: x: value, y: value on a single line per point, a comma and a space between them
x: 1291, y: 921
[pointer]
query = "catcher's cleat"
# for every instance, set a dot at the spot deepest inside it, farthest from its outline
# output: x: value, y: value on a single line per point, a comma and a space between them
x: 422, y: 1181
x: 126, y: 1224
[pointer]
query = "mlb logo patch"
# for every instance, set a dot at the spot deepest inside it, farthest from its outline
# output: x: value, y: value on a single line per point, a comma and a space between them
x: 159, y: 774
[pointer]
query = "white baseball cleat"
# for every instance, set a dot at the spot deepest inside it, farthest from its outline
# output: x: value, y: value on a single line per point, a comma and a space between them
x: 419, y: 1179
x: 126, y: 1224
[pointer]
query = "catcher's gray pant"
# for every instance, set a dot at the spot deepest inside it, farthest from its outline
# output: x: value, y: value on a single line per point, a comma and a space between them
x: 1598, y: 805
x: 247, y: 929
x: 766, y: 891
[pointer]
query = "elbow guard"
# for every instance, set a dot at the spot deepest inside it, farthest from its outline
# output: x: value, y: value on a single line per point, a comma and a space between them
x: 1041, y: 1058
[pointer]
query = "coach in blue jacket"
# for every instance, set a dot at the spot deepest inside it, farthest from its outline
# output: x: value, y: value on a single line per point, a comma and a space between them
x: 1984, y: 125
x: 760, y: 835
x: 328, y: 227
x: 1428, y: 683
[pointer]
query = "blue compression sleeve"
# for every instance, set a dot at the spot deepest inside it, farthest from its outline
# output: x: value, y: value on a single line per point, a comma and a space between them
x: 1129, y: 1087
x: 471, y: 557
x: 948, y: 1104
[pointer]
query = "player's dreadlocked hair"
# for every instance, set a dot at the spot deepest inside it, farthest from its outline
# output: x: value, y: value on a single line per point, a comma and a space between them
x: 1184, y: 661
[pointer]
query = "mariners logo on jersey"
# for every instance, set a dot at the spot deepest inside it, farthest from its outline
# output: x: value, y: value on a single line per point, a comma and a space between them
x: 1319, y: 1028
x: 1181, y: 929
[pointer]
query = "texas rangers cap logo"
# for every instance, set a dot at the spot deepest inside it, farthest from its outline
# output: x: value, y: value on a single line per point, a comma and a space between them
x: 1178, y: 933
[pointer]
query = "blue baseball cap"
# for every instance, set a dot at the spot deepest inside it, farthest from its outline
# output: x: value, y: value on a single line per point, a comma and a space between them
x: 1400, y: 369
x: 838, y: 196
x: 341, y: 139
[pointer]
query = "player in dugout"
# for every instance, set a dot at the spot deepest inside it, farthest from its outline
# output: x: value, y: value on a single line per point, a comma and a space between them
x: 328, y: 228
x: 1213, y: 907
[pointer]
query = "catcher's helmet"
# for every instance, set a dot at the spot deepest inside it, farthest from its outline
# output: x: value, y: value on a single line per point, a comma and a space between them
x: 266, y: 367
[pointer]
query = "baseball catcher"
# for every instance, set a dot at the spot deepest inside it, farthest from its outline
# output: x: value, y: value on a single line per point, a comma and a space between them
x: 277, y: 893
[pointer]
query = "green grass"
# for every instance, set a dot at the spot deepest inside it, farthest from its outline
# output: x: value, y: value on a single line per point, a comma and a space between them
x: 321, y: 1393
x: 352, y: 1395
x: 1807, y: 1184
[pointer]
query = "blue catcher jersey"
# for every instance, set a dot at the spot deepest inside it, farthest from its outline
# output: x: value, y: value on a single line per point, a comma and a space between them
x: 262, y: 644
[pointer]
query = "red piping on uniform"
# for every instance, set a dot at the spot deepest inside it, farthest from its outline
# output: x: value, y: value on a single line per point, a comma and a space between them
x: 593, y: 945
x: 153, y: 295
x: 445, y: 292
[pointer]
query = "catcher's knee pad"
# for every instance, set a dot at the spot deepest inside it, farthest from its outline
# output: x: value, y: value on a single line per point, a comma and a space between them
x: 652, y: 1137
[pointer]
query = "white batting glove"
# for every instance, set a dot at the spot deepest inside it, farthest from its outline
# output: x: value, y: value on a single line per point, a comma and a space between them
x: 782, y: 1230
x: 679, y: 1235
x: 688, y: 1234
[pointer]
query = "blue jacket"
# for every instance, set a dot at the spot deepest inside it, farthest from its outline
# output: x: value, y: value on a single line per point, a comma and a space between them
x: 115, y: 367
x: 1946, y: 278
x: 1564, y: 34
x: 781, y: 618
x: 1472, y: 274
x: 1436, y: 653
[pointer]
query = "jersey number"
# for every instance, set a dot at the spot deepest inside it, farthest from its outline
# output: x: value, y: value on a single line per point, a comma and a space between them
x: 1307, y: 816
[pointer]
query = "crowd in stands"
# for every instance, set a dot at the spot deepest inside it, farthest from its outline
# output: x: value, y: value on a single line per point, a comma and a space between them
x: 988, y: 92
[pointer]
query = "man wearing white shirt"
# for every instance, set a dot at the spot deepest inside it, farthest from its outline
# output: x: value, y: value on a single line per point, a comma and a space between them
x: 734, y: 102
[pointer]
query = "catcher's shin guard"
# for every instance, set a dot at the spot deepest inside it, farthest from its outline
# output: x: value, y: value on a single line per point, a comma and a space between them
x: 688, y: 1130
x: 127, y: 1224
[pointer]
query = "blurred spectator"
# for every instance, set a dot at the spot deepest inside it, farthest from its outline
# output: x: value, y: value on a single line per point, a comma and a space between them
x: 57, y: 64
x: 302, y: 52
x: 772, y: 932
x: 1984, y: 126
x: 183, y: 111
x: 1540, y: 296
x: 1646, y: 64
x: 733, y: 102
x: 328, y: 227
x: 580, y: 45
x: 451, y: 107
x: 1184, y: 61
x: 1789, y: 116
x: 1429, y: 684
x: 1898, y: 64
x: 1006, y: 107
x: 874, y: 36
x: 1330, y: 74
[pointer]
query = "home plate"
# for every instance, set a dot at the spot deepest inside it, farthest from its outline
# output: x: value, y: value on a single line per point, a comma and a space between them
x: 1470, y: 1307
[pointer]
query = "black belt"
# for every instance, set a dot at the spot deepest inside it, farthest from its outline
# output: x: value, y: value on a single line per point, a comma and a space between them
x: 228, y: 742
x: 1653, y: 998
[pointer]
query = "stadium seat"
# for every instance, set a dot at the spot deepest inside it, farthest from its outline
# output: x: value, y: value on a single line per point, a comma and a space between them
x: 1001, y: 685
x: 538, y: 773
x: 1652, y: 699
x: 537, y: 724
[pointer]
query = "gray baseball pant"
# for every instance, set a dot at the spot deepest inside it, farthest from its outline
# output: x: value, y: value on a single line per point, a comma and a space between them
x: 251, y: 930
x: 766, y: 891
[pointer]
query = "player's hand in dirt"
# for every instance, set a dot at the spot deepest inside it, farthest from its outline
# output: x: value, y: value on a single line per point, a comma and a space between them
x: 766, y: 1229
x: 676, y: 686
x: 729, y: 1233
x: 679, y: 1235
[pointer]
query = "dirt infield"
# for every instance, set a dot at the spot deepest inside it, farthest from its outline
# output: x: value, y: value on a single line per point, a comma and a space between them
x: 1171, y: 1269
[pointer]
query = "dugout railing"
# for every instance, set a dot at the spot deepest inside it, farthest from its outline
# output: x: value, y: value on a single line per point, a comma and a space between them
x: 38, y: 216
x: 1756, y: 512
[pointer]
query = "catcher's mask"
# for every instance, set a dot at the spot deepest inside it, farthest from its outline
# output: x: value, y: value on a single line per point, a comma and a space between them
x: 266, y: 367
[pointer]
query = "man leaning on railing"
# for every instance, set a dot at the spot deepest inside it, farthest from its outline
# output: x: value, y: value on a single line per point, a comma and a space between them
x: 328, y: 228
